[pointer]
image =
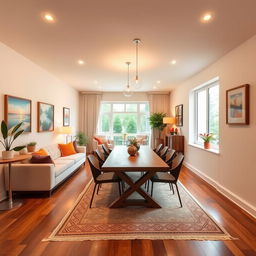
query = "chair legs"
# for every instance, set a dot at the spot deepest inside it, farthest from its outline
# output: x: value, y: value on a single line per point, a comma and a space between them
x: 178, y: 194
x: 93, y: 194
x: 171, y: 188
x: 119, y: 188
x: 152, y: 188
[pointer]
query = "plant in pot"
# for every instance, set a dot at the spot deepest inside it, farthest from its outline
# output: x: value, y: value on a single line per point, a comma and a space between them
x: 9, y: 136
x: 31, y: 146
x: 207, y: 138
x: 134, y: 142
x: 81, y: 139
x: 156, y: 123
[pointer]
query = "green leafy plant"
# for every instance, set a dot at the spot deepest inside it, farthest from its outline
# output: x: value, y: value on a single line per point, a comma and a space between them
x: 133, y: 142
x: 31, y: 144
x: 81, y: 139
x: 9, y: 136
x: 156, y: 121
x: 206, y: 137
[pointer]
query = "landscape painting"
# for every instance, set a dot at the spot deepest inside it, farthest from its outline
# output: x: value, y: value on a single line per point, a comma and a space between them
x: 18, y: 110
x: 66, y: 117
x: 237, y: 101
x: 45, y: 117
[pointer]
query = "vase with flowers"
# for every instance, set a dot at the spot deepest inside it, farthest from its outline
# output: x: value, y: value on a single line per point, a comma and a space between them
x: 207, y: 138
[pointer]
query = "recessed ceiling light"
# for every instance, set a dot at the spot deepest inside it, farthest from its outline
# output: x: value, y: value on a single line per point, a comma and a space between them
x: 48, y: 17
x: 173, y: 62
x: 158, y: 81
x: 206, y: 17
x: 95, y: 82
x: 80, y: 62
x: 154, y: 87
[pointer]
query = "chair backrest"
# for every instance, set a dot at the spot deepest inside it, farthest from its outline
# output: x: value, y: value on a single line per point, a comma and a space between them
x: 170, y: 156
x: 177, y: 164
x: 158, y: 148
x: 163, y: 152
x: 106, y: 150
x: 95, y: 166
x: 100, y: 155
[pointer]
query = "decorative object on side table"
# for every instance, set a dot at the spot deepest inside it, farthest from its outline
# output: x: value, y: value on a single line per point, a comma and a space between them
x: 207, y: 138
x: 132, y: 150
x: 45, y: 117
x: 135, y: 143
x: 179, y: 115
x: 17, y: 110
x: 66, y: 116
x: 31, y: 146
x: 9, y: 136
x: 237, y: 105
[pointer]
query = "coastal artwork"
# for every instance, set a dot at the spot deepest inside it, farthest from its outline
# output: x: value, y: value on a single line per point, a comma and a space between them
x: 45, y: 117
x: 18, y: 110
x: 238, y: 105
x: 66, y: 117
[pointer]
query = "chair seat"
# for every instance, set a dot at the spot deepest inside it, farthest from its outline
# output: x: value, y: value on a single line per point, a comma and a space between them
x: 108, y: 177
x: 163, y: 177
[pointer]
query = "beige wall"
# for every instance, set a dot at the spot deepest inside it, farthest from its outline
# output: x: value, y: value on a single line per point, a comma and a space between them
x: 233, y: 171
x: 20, y: 77
x: 118, y: 96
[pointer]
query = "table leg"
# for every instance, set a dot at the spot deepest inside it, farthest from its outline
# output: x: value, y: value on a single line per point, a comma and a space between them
x: 135, y: 187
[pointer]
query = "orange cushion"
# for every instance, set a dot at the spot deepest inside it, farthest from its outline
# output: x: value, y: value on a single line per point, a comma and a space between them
x: 40, y: 152
x: 99, y: 140
x: 67, y: 149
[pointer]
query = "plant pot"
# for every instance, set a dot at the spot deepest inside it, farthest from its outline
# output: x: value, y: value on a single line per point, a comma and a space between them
x: 132, y: 150
x: 7, y: 155
x: 138, y: 146
x: 31, y: 148
x: 207, y: 145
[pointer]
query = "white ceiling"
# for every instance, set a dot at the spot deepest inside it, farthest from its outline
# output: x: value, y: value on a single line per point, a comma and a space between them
x: 101, y: 33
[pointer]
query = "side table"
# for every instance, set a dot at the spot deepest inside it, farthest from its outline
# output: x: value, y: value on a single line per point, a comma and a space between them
x: 10, y: 203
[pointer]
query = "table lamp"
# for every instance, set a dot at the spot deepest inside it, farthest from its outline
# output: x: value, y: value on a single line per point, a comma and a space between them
x: 66, y: 130
x: 169, y: 121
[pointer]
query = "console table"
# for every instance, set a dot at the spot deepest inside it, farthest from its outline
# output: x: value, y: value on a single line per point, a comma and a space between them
x: 175, y: 142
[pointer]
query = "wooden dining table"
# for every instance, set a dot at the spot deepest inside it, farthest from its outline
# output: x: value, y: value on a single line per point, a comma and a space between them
x: 145, y: 161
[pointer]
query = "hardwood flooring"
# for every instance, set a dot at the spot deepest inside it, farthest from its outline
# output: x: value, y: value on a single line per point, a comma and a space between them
x: 23, y: 229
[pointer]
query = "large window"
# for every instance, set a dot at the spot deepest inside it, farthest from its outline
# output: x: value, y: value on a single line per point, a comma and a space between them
x: 205, y: 112
x: 119, y: 118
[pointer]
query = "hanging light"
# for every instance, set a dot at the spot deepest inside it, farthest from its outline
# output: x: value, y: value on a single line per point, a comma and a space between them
x: 127, y: 91
x: 138, y: 83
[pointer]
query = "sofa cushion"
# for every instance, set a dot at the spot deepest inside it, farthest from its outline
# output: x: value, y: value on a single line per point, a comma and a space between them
x: 40, y: 152
x: 53, y: 150
x: 67, y: 149
x: 61, y: 165
x: 76, y: 157
x: 37, y: 159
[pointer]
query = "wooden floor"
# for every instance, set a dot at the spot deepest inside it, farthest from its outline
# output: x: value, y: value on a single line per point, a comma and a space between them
x: 23, y: 229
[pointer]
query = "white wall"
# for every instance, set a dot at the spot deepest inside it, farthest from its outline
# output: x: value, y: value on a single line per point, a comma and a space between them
x: 20, y: 77
x: 233, y: 171
x: 118, y: 96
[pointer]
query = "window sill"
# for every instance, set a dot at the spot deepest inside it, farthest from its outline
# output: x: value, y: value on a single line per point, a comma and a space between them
x: 211, y: 150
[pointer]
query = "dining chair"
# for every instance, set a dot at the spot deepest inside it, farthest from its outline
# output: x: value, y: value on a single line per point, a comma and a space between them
x: 99, y: 177
x: 172, y: 177
x: 171, y: 153
x: 105, y: 150
x: 101, y: 157
x: 158, y: 148
x: 163, y: 152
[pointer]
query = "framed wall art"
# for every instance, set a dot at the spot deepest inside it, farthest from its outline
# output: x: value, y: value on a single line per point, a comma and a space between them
x: 17, y: 110
x: 179, y: 115
x: 237, y: 105
x: 45, y: 117
x: 66, y: 116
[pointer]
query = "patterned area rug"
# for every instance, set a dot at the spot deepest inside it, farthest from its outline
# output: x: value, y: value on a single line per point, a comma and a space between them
x: 169, y: 222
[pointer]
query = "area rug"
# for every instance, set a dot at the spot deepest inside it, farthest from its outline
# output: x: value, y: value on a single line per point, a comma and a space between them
x: 169, y: 222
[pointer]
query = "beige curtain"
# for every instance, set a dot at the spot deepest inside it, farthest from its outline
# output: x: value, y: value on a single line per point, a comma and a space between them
x: 89, y: 108
x: 158, y: 102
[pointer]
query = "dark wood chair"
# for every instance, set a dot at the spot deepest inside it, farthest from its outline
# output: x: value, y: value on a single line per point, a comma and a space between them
x: 172, y: 177
x: 170, y: 156
x: 158, y: 148
x: 163, y: 152
x: 101, y: 157
x: 100, y: 178
x: 106, y: 151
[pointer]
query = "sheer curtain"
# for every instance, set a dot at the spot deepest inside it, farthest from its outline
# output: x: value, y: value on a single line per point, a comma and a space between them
x: 89, y: 108
x: 158, y: 102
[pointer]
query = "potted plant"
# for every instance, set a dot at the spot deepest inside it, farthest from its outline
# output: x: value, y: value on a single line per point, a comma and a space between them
x: 207, y: 138
x: 81, y: 139
x: 156, y: 123
x: 31, y: 146
x: 9, y: 136
x: 134, y: 142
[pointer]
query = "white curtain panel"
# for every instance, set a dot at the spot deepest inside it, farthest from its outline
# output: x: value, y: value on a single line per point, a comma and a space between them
x: 158, y: 102
x: 89, y: 108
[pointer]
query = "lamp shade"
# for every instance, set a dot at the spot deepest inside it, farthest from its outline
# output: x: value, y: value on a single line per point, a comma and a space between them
x: 169, y: 120
x: 65, y: 130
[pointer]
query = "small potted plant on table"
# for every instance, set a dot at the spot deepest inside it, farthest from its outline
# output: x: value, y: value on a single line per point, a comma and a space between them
x: 207, y: 138
x: 31, y: 146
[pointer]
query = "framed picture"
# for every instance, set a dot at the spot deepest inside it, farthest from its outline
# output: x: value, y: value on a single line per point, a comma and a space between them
x: 17, y: 110
x: 179, y: 115
x: 66, y: 116
x: 45, y: 117
x: 237, y: 105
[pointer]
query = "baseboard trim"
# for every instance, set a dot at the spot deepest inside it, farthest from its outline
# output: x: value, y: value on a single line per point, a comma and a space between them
x: 224, y: 191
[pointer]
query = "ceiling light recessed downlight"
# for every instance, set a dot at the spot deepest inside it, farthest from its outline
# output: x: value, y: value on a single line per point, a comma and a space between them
x: 207, y: 17
x: 155, y: 87
x: 158, y: 81
x: 80, y: 62
x: 173, y: 62
x: 48, y: 17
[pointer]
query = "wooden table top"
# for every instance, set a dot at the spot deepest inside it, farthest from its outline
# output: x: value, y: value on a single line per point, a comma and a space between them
x: 16, y: 158
x: 145, y: 160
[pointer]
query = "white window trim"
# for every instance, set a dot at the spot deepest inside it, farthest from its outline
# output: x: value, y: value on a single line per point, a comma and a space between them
x: 193, y: 115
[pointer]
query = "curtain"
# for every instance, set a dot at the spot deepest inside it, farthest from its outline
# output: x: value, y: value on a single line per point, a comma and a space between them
x: 158, y: 102
x: 89, y: 108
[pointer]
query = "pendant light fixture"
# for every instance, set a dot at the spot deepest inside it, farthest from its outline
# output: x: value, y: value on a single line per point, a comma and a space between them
x: 127, y: 91
x: 137, y: 81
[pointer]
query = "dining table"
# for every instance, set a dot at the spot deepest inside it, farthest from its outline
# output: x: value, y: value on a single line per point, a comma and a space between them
x: 147, y: 162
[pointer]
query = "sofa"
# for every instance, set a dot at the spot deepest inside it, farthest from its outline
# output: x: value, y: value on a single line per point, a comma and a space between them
x: 95, y: 145
x: 28, y: 177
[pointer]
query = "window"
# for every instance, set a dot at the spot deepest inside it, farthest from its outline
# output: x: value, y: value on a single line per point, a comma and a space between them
x: 205, y: 112
x: 119, y: 118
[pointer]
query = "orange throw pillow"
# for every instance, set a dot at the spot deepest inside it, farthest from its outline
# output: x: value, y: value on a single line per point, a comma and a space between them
x: 99, y: 140
x: 67, y: 149
x: 40, y: 152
